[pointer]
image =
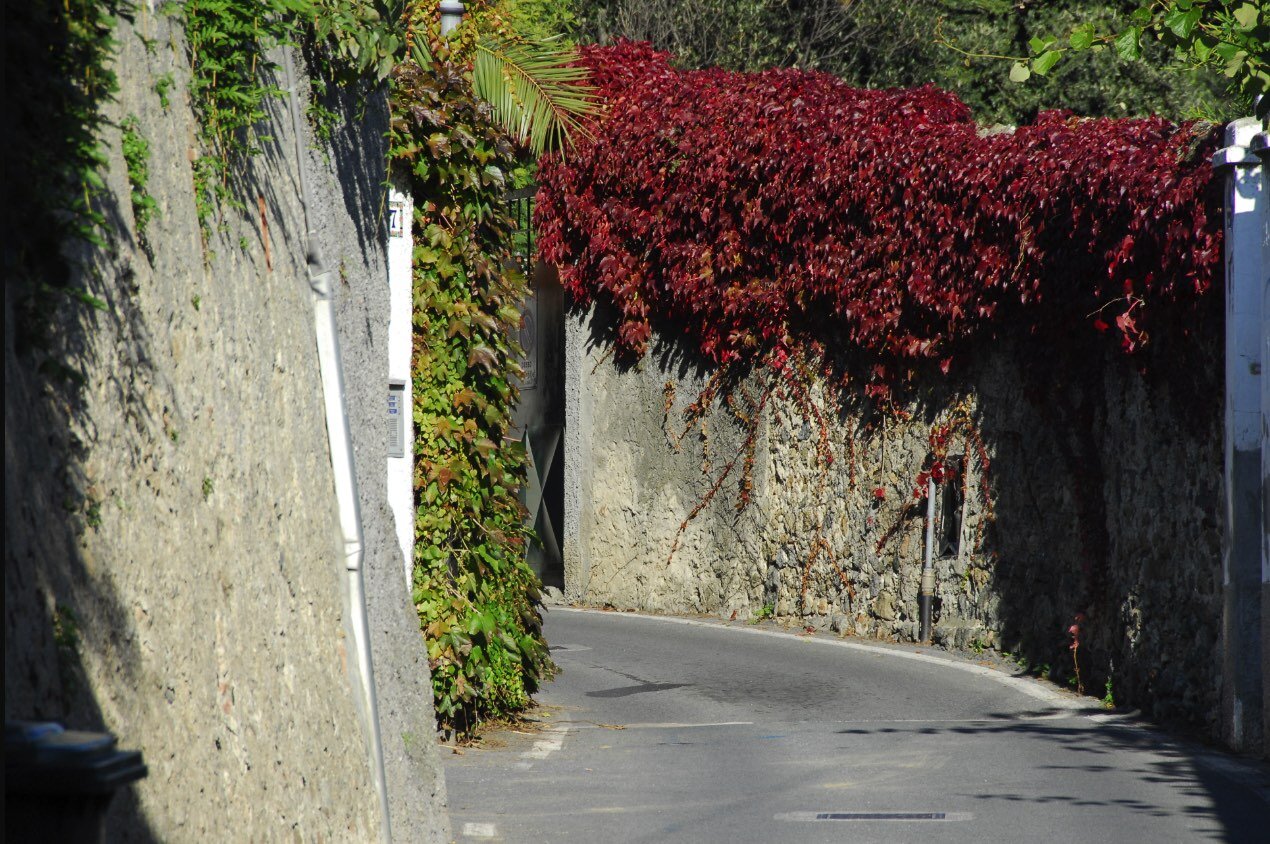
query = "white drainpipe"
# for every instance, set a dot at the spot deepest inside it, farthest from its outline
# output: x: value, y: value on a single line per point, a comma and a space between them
x: 342, y: 465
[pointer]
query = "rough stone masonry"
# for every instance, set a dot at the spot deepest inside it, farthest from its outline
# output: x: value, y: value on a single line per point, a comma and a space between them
x: 1100, y: 508
x: 173, y: 564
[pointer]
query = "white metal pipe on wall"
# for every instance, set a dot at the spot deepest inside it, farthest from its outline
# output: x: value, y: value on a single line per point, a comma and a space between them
x: 343, y: 468
x: 451, y: 15
x: 926, y: 592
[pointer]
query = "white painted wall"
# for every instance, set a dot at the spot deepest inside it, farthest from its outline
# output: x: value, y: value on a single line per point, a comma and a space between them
x: 400, y: 329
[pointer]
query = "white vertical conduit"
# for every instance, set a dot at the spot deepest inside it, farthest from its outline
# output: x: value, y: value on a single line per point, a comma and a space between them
x: 342, y: 465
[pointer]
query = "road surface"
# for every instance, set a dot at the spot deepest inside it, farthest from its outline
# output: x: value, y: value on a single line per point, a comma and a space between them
x: 675, y: 730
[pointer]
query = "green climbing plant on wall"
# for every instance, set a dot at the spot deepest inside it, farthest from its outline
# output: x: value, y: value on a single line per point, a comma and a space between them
x: 136, y: 155
x: 227, y: 42
x: 477, y: 598
x: 59, y: 73
x: 468, y: 113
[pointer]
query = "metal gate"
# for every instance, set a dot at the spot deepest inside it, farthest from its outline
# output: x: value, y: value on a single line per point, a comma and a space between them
x: 538, y: 419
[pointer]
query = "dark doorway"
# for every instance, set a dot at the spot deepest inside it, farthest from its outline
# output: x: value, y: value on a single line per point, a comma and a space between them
x: 539, y: 416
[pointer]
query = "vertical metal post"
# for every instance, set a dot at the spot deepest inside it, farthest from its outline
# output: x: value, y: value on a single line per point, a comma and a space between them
x: 1242, y: 701
x: 926, y: 594
x: 451, y: 15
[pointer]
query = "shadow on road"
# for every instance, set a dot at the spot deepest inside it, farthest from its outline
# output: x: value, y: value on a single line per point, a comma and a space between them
x: 1208, y: 785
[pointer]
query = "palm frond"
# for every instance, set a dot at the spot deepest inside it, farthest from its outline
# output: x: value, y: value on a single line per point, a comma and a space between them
x: 536, y: 94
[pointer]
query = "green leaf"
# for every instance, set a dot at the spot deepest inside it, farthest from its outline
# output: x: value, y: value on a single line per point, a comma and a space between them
x: 1225, y: 51
x: 1082, y: 37
x: 1042, y: 64
x: 1235, y: 64
x: 1128, y: 44
x: 1182, y: 23
x: 1037, y: 44
x: 538, y: 95
x: 1020, y: 73
x: 87, y: 298
x: 1202, y: 48
x: 1246, y: 16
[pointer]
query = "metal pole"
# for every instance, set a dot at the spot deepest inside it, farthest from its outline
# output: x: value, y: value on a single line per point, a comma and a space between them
x: 451, y: 15
x: 926, y: 595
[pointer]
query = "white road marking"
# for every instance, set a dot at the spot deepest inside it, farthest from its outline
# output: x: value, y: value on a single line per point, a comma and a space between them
x: 480, y: 830
x: 552, y: 741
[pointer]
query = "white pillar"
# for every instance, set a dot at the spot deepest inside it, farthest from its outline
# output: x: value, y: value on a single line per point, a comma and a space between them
x: 400, y: 336
x: 1261, y: 146
x: 1242, y: 700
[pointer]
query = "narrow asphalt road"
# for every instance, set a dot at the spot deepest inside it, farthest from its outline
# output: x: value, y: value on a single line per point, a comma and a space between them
x: 668, y: 730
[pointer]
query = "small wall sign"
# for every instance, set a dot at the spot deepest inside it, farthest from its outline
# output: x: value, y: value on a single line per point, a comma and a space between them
x: 397, y: 418
x: 396, y: 218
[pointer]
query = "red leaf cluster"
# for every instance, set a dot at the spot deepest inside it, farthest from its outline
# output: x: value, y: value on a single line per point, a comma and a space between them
x: 768, y: 211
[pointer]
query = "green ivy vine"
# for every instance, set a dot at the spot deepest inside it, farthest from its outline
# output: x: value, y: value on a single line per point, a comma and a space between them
x: 227, y: 42
x: 478, y: 600
x: 346, y: 42
x: 58, y: 59
x: 136, y: 155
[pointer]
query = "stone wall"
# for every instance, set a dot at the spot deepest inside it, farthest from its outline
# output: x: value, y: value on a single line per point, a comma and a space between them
x: 348, y: 214
x: 173, y: 565
x: 1101, y: 497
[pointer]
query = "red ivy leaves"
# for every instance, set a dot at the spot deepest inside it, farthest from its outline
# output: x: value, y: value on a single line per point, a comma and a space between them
x: 776, y: 209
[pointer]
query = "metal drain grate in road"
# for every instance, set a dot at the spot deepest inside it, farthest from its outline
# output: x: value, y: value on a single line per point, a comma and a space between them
x: 880, y: 816
x: 873, y: 816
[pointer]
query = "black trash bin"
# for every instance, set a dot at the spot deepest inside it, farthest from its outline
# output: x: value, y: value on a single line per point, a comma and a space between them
x: 58, y: 783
